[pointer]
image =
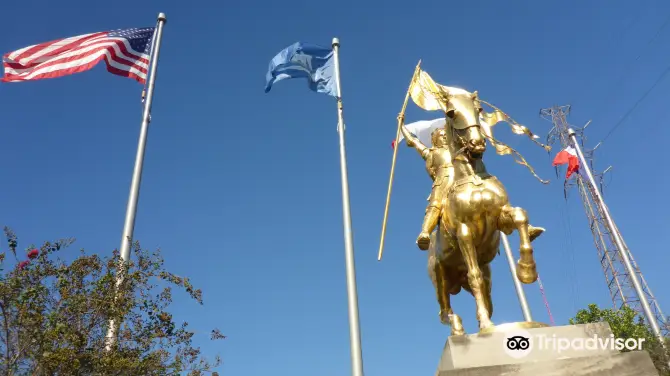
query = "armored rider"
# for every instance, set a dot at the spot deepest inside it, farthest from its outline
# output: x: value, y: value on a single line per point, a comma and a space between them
x: 439, y: 167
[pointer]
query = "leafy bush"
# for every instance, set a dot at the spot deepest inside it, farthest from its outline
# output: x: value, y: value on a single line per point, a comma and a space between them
x: 625, y: 323
x: 54, y: 315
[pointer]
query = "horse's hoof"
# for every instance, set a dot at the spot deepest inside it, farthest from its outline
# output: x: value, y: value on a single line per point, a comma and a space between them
x: 423, y: 241
x: 526, y: 272
x: 444, y: 318
x: 456, y: 326
x: 534, y: 232
x: 457, y: 332
x: 485, y: 324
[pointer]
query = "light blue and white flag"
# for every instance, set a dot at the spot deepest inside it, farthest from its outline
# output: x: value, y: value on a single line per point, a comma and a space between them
x: 304, y: 60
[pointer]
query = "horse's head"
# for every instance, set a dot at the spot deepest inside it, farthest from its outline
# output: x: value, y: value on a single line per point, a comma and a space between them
x: 463, y: 111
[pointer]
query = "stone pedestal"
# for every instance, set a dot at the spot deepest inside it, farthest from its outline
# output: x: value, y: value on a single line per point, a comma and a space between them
x: 521, y: 349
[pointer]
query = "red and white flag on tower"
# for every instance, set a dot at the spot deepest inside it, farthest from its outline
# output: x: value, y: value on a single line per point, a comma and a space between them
x: 567, y: 156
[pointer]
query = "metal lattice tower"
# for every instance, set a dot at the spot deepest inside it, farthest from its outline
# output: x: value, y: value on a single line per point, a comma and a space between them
x: 617, y: 278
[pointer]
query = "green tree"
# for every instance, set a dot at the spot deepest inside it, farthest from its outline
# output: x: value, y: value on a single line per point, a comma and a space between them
x: 626, y: 323
x: 54, y: 315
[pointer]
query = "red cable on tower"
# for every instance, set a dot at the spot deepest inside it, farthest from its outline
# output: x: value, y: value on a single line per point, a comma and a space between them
x: 544, y: 297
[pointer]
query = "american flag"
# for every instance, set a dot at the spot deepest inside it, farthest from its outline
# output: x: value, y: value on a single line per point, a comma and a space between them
x: 125, y: 51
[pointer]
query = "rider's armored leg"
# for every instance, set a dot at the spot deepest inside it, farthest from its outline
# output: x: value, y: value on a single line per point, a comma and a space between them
x: 429, y: 223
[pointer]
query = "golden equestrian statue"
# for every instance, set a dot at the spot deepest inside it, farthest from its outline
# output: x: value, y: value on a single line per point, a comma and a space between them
x: 440, y: 169
x: 470, y: 205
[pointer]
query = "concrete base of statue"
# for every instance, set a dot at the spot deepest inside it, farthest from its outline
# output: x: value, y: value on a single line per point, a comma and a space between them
x: 530, y: 348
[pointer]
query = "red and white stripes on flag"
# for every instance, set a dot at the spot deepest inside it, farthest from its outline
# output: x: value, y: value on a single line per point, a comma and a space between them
x: 567, y: 156
x: 126, y: 53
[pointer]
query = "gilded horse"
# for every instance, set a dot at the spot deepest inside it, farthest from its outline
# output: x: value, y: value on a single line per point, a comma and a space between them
x: 475, y: 209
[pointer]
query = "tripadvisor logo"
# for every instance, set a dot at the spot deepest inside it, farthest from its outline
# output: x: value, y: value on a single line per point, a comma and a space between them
x: 520, y: 343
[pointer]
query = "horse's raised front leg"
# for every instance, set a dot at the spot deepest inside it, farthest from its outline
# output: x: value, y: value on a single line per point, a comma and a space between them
x: 475, y: 276
x: 515, y: 217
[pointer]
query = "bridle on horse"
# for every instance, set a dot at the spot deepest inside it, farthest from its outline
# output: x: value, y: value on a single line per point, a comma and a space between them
x: 461, y: 139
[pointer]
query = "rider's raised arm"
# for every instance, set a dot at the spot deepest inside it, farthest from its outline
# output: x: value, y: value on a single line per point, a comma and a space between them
x: 415, y: 143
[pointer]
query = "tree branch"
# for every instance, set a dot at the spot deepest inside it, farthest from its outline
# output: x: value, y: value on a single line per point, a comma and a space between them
x: 7, y: 334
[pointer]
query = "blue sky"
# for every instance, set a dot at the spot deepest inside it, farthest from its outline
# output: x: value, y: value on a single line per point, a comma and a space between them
x: 241, y: 189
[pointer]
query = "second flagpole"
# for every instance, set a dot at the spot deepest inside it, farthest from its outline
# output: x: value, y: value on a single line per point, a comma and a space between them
x: 517, y: 284
x: 352, y: 294
x: 133, y: 196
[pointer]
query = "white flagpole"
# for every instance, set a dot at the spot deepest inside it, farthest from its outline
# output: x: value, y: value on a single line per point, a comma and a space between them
x: 618, y: 241
x: 352, y: 295
x: 517, y: 284
x: 131, y: 210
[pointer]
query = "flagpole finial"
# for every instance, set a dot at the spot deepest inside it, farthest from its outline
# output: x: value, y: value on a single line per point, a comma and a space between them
x: 162, y: 17
x: 571, y: 131
x: 336, y: 42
